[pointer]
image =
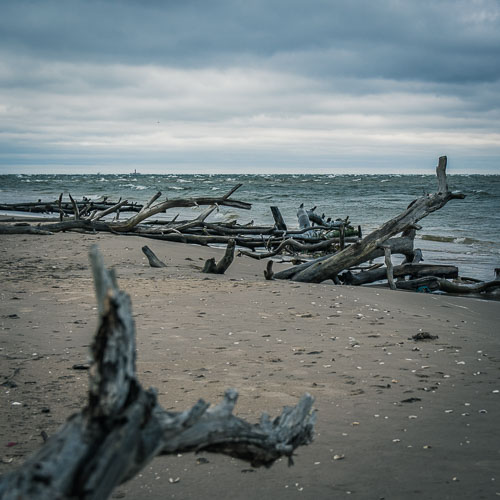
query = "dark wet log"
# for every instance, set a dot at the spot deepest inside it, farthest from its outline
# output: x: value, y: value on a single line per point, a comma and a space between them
x: 412, y: 270
x: 123, y: 426
x: 22, y: 229
x: 221, y: 266
x: 153, y: 260
x: 433, y: 283
x: 450, y: 287
x: 268, y: 272
x: 291, y: 244
x: 357, y: 253
x: 278, y: 219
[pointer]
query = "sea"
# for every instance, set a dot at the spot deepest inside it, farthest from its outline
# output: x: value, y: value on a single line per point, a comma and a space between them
x: 465, y: 233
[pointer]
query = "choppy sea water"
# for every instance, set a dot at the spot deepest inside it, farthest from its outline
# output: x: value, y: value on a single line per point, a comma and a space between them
x: 464, y: 232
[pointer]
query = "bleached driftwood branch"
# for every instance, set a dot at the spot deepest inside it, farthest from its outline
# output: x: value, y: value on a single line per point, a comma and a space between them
x: 123, y: 427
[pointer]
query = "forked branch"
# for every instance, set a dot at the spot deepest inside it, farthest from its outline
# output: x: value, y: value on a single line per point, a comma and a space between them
x: 123, y: 427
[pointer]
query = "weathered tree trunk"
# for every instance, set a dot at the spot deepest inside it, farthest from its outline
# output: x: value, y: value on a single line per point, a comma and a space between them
x: 153, y: 260
x: 325, y: 245
x: 223, y: 264
x: 268, y: 272
x: 123, y: 427
x: 412, y: 270
x: 22, y: 229
x: 433, y: 283
x: 402, y: 245
x: 358, y: 253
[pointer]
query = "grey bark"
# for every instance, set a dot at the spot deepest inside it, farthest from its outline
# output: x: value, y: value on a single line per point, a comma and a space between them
x: 434, y: 283
x: 224, y: 263
x: 153, y: 260
x: 268, y: 271
x: 412, y: 270
x: 278, y: 219
x: 358, y: 252
x: 123, y: 427
x: 402, y: 245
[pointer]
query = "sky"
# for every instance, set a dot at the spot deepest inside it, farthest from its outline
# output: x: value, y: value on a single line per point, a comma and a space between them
x: 239, y: 86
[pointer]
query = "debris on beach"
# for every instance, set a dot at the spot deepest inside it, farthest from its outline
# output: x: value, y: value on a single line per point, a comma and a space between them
x: 320, y: 249
x: 423, y: 336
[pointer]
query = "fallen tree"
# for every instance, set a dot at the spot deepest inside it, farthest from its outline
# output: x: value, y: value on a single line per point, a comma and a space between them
x: 123, y: 426
x: 362, y: 251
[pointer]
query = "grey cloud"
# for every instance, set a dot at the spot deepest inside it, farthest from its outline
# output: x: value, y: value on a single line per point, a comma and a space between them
x: 446, y: 40
x: 270, y: 83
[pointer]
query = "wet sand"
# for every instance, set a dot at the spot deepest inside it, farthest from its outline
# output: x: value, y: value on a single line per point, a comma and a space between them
x: 396, y: 418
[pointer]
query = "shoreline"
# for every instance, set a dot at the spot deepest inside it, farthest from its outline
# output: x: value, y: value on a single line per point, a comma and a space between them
x: 406, y: 416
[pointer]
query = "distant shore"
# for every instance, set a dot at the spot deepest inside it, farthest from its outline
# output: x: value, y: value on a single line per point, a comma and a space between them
x: 397, y: 418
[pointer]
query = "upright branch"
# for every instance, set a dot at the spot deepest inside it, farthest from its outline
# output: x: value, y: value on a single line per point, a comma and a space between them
x: 221, y: 266
x: 123, y: 427
x: 153, y: 260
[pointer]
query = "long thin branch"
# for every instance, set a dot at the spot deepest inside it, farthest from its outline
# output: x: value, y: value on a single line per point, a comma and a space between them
x: 184, y: 202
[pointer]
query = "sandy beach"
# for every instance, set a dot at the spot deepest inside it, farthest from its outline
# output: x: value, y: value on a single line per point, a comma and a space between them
x: 397, y: 418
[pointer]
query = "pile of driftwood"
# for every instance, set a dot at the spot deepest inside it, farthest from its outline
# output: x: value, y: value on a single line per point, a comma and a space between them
x: 87, y: 215
x: 344, y: 255
x: 123, y: 426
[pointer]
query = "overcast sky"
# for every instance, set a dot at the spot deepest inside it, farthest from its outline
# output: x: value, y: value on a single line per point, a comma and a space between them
x: 249, y: 86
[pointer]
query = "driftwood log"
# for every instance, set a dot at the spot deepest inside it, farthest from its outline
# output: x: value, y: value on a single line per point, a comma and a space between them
x: 123, y: 427
x: 153, y: 260
x: 411, y: 270
x: 360, y: 252
x: 402, y: 245
x: 268, y: 271
x: 434, y: 283
x: 221, y: 266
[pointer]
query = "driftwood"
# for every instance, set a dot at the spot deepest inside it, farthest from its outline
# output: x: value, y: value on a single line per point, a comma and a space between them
x: 150, y: 209
x: 221, y: 266
x: 412, y: 270
x: 153, y: 260
x: 359, y: 252
x: 292, y: 244
x: 123, y: 427
x: 434, y: 283
x: 278, y: 219
x: 402, y: 245
x: 23, y: 229
x: 268, y: 271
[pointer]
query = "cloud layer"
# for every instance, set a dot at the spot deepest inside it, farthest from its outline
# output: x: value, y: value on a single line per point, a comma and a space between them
x: 249, y: 86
